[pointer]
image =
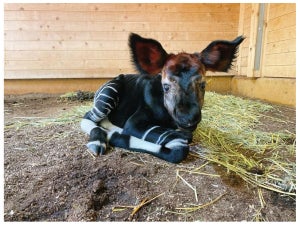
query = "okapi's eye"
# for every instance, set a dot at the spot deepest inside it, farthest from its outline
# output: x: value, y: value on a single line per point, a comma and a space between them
x: 166, y: 87
x: 172, y: 80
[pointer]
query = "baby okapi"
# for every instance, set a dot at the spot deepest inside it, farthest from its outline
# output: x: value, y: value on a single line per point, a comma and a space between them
x: 157, y: 110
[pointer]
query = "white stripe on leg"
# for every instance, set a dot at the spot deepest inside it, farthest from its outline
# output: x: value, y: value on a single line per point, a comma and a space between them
x: 176, y: 143
x: 137, y: 143
x: 87, y: 125
x: 134, y: 143
x: 109, y: 127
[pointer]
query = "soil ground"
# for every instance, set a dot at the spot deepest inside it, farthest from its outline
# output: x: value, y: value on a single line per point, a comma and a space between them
x: 50, y: 176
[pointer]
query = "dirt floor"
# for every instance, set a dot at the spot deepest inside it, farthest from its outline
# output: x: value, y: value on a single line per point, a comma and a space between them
x: 50, y: 176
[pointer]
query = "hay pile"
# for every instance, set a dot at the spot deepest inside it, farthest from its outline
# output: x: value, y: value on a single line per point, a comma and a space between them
x: 229, y: 135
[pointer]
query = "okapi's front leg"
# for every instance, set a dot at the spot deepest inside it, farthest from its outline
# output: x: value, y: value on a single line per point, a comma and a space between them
x: 165, y: 143
x: 106, y: 99
x: 175, y: 152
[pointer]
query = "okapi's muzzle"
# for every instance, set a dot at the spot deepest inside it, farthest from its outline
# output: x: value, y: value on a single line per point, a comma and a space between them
x: 188, y: 120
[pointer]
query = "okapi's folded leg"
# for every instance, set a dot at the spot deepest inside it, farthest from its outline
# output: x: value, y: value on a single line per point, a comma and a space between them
x: 106, y: 99
x: 97, y: 139
x: 174, y: 149
x: 174, y: 155
x: 166, y: 143
x: 174, y: 144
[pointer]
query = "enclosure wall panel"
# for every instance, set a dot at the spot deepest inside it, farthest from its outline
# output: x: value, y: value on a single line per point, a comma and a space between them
x: 90, y: 40
x: 278, y: 53
x: 220, y: 84
x: 68, y: 47
x: 279, y: 91
x: 280, y: 43
x: 244, y: 28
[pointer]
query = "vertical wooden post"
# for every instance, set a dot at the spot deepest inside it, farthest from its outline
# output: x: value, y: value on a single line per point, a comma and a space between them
x: 264, y: 46
x: 240, y: 32
x: 252, y: 39
x: 261, y: 39
x: 257, y: 39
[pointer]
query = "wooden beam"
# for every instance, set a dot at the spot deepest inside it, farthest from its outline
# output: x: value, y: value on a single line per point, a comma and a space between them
x: 278, y: 91
x: 219, y: 84
x: 252, y: 39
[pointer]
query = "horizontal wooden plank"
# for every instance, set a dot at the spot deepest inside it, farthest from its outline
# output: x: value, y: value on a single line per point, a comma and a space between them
x: 279, y: 9
x: 119, y: 16
x: 118, y: 26
x: 63, y: 85
x: 21, y: 86
x: 279, y: 71
x: 22, y: 35
x: 65, y: 45
x: 171, y: 46
x: 62, y: 55
x: 80, y: 73
x: 280, y: 59
x: 281, y: 46
x: 91, y: 73
x: 282, y: 34
x: 99, y: 65
x: 65, y: 64
x: 120, y: 7
x: 287, y: 20
x: 23, y: 65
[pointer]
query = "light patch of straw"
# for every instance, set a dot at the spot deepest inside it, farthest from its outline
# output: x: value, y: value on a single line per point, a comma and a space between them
x: 74, y: 115
x: 197, y: 207
x: 188, y: 184
x: 228, y: 136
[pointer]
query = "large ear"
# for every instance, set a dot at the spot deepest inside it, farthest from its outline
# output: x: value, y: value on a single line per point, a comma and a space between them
x: 147, y: 55
x: 218, y: 55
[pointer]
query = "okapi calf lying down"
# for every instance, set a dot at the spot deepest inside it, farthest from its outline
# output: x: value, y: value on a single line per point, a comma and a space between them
x: 157, y: 110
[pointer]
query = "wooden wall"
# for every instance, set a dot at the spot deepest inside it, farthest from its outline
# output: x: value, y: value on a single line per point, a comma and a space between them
x: 245, y: 29
x: 275, y: 79
x: 278, y: 53
x: 90, y: 40
x: 58, y: 47
x: 280, y: 42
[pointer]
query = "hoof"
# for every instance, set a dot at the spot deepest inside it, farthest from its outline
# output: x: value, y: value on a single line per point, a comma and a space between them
x: 96, y: 149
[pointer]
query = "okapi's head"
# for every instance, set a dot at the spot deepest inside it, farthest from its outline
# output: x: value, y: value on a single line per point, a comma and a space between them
x: 182, y: 74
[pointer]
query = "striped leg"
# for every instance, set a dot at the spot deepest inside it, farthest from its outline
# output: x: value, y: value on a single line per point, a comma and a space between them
x: 173, y: 144
x: 174, y: 150
x: 166, y: 137
x: 105, y: 100
x: 116, y: 138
